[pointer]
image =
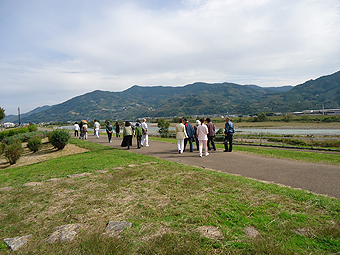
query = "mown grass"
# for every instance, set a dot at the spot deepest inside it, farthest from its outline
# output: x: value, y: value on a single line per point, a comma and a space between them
x: 166, y: 203
x: 307, y: 156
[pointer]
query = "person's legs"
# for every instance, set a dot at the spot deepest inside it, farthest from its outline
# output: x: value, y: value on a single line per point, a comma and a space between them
x: 225, y: 143
x: 185, y: 143
x: 146, y: 140
x: 205, y: 142
x: 200, y: 148
x: 190, y: 143
x: 143, y: 140
x: 208, y: 143
x: 230, y: 138
x: 213, y: 143
x: 179, y: 145
x: 182, y: 145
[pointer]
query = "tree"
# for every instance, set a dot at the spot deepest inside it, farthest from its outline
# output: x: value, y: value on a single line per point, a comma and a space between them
x: 261, y: 117
x: 163, y: 127
x: 2, y: 114
x: 287, y: 117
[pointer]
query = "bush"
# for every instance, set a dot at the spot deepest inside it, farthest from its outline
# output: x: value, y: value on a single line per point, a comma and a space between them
x: 32, y: 128
x: 24, y: 137
x: 13, y: 152
x: 34, y: 143
x: 2, y: 148
x: 59, y: 138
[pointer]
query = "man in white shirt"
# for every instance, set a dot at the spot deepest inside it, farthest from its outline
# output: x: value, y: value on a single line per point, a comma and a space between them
x: 96, y: 128
x: 145, y: 138
x: 76, y: 129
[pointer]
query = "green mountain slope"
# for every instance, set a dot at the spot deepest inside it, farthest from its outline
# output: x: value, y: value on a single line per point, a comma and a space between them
x: 194, y: 99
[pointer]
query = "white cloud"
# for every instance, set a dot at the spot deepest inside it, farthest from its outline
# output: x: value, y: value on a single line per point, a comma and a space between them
x: 54, y: 50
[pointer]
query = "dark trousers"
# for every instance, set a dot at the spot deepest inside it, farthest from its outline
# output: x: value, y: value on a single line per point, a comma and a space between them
x: 197, y: 143
x: 189, y: 139
x: 76, y: 133
x: 211, y: 140
x: 109, y: 135
x: 228, y: 138
x: 139, y: 141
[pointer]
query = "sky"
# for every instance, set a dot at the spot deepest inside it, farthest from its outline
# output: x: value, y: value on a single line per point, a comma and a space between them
x: 54, y: 50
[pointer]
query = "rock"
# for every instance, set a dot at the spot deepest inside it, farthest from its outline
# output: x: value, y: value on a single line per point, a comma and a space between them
x: 119, y: 167
x: 32, y: 184
x: 133, y: 165
x: 303, y: 232
x: 17, y: 242
x: 210, y: 232
x: 78, y: 175
x: 252, y: 232
x: 6, y: 188
x: 64, y: 233
x: 101, y: 171
x: 54, y: 179
x: 114, y: 228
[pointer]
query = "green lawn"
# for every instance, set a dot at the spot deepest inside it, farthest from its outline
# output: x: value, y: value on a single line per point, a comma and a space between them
x: 166, y: 203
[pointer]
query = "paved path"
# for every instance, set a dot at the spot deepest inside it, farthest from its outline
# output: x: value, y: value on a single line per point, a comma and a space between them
x: 314, y: 177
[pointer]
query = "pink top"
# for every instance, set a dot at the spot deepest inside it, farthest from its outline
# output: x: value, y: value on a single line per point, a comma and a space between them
x: 202, y: 132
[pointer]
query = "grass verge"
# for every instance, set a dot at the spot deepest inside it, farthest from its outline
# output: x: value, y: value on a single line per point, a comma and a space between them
x: 167, y: 204
x: 312, y: 157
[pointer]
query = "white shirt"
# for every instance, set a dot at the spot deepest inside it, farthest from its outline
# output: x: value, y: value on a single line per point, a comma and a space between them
x: 76, y: 127
x: 96, y: 125
x: 145, y: 126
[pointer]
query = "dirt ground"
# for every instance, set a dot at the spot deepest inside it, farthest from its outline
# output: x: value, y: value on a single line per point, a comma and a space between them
x: 46, y: 153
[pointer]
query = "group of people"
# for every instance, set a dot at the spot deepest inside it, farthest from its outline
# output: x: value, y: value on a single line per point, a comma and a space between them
x: 203, y: 134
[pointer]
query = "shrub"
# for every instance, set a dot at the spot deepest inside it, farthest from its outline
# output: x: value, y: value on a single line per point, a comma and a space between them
x: 13, y: 152
x: 34, y: 143
x: 24, y: 137
x: 2, y: 148
x: 59, y: 138
x: 32, y: 128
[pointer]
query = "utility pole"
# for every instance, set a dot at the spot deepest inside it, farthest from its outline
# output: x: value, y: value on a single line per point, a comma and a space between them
x: 19, y: 115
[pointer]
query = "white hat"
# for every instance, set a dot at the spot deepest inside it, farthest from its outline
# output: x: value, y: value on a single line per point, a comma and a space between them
x: 198, y: 122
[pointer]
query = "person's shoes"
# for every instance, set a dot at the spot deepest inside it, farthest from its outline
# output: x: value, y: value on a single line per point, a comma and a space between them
x: 200, y: 155
x: 214, y: 149
x: 225, y: 151
x: 179, y: 152
x: 206, y: 154
x: 146, y: 145
x: 191, y: 151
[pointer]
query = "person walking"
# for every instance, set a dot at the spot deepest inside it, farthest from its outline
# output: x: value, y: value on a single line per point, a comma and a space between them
x: 202, y: 133
x: 84, y: 129
x: 109, y: 131
x: 229, y: 131
x: 190, y: 132
x: 76, y: 129
x: 195, y: 133
x: 211, y: 135
x: 145, y: 138
x: 139, y: 133
x: 117, y: 129
x: 127, y: 135
x: 96, y: 128
x: 181, y: 134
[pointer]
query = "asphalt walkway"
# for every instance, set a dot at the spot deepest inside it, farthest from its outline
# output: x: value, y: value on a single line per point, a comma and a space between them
x: 314, y: 177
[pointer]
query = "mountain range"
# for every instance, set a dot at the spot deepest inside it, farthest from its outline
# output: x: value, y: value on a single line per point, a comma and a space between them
x: 193, y: 99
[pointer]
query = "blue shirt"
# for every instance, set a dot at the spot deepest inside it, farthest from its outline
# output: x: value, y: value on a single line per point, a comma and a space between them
x: 229, y: 127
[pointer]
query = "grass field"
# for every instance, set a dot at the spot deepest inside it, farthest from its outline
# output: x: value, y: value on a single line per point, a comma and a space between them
x: 168, y: 205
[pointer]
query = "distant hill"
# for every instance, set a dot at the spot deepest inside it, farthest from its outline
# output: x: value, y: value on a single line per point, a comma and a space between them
x: 15, y: 119
x: 194, y: 99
